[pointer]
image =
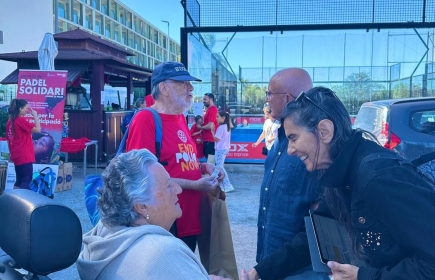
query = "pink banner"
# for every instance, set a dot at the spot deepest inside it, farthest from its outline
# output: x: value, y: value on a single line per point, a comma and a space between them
x: 45, y: 93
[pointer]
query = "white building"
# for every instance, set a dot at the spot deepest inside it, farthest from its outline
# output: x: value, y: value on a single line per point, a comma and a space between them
x: 24, y: 23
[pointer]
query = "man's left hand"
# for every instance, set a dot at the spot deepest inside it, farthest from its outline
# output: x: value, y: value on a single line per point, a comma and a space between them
x: 343, y: 271
x: 211, y: 167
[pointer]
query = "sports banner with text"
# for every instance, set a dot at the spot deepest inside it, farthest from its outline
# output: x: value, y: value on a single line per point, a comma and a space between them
x: 45, y: 93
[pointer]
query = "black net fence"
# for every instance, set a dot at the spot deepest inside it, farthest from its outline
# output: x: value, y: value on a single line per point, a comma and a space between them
x: 215, y: 72
x: 212, y: 13
x: 359, y: 66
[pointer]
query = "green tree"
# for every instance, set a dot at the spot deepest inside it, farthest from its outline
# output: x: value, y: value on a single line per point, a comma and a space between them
x: 400, y: 90
x: 357, y: 89
x: 209, y: 40
x: 253, y: 94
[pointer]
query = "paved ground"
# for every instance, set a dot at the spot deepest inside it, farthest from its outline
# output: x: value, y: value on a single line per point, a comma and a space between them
x: 242, y: 208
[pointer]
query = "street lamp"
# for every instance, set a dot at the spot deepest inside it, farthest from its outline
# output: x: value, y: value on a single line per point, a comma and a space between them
x: 167, y: 45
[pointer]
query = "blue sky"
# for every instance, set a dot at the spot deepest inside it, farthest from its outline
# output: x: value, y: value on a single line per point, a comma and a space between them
x: 155, y: 11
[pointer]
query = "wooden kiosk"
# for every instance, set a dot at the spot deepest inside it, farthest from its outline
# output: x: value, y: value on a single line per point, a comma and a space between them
x: 97, y: 62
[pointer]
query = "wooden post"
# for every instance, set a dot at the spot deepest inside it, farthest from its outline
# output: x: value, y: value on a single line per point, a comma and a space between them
x: 148, y: 86
x: 129, y: 90
x: 97, y: 86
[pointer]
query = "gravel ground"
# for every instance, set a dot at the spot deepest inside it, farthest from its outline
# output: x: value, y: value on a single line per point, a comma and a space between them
x: 242, y: 208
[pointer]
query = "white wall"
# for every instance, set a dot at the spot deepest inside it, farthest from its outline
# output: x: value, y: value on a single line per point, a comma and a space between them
x: 24, y: 23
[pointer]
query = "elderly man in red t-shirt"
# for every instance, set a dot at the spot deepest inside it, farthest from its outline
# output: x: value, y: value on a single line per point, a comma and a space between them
x: 209, y: 123
x: 172, y: 92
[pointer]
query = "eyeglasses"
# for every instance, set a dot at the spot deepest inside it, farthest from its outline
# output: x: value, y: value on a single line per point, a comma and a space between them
x: 269, y: 94
x: 303, y: 95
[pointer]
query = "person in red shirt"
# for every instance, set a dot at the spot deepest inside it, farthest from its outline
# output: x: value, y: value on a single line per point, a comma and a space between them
x: 172, y: 92
x: 149, y: 100
x: 209, y: 124
x: 19, y: 137
x: 197, y: 136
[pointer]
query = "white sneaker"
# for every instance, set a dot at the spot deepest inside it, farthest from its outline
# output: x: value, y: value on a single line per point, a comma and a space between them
x: 228, y: 189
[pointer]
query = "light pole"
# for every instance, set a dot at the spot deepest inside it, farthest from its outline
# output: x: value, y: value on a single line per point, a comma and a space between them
x: 167, y: 45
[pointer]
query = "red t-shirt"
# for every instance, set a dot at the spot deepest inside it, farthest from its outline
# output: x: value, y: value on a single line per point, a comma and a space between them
x: 210, y: 116
x: 179, y: 151
x: 71, y: 145
x: 20, y: 143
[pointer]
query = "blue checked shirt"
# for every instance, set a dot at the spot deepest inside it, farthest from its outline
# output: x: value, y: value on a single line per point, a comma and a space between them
x: 286, y: 194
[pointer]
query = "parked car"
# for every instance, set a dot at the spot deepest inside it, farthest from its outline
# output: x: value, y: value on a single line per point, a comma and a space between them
x: 406, y: 126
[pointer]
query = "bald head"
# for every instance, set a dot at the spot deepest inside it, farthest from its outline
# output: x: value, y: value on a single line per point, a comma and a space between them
x: 294, y: 80
x: 285, y: 86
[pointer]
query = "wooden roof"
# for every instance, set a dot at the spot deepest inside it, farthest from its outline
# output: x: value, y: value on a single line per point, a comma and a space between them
x: 81, y: 48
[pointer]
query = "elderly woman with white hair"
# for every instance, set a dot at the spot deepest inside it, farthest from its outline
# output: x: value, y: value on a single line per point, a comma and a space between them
x: 138, y: 205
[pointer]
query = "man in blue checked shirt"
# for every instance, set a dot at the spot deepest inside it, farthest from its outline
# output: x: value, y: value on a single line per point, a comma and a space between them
x: 288, y: 190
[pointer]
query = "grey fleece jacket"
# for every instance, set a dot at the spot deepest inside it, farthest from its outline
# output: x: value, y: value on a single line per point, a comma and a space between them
x: 143, y: 252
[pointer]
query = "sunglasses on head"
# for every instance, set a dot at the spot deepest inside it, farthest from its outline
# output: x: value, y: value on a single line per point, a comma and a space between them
x: 303, y: 95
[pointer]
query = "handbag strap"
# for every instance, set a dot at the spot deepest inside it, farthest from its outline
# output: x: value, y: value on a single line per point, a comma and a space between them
x: 158, y: 130
x: 48, y: 169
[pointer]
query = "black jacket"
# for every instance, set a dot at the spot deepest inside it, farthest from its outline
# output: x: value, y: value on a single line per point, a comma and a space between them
x: 392, y: 212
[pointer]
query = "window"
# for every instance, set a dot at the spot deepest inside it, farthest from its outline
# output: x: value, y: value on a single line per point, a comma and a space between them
x: 137, y: 42
x: 137, y: 26
x: 131, y: 39
x: 113, y: 9
x: 116, y: 30
x: 128, y: 19
x: 98, y: 23
x: 124, y: 36
x: 77, y: 16
x: 151, y: 49
x: 164, y: 38
x: 142, y: 60
x: 95, y: 4
x: 121, y: 15
x: 108, y: 28
x: 88, y: 18
x: 159, y: 53
x: 423, y: 121
x: 63, y: 9
x: 62, y: 26
x: 105, y: 7
x: 370, y: 118
x: 145, y: 61
x: 143, y: 46
x: 156, y: 37
x: 147, y: 31
x: 160, y: 39
x: 135, y: 58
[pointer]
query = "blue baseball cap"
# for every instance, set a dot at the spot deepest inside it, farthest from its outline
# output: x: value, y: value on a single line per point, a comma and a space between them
x: 171, y: 71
